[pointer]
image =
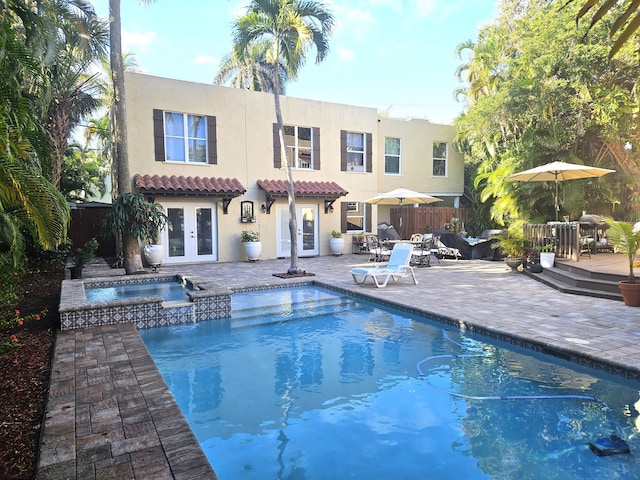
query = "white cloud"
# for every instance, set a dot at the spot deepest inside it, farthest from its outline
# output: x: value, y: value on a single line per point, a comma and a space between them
x: 137, y: 41
x: 204, y: 60
x: 422, y: 8
x: 346, y: 54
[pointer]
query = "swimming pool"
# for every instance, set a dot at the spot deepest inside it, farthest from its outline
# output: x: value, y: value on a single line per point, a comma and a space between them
x: 306, y: 383
x: 170, y: 290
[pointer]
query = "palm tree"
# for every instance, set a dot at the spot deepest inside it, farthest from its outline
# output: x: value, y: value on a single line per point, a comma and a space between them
x: 253, y: 71
x: 624, y: 26
x: 120, y: 154
x: 28, y: 202
x: 70, y: 92
x: 291, y: 27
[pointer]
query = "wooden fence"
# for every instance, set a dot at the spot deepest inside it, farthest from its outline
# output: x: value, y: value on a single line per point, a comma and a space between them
x: 427, y: 219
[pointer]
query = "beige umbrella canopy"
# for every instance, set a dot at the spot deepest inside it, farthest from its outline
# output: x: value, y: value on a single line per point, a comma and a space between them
x: 559, y: 172
x: 401, y: 196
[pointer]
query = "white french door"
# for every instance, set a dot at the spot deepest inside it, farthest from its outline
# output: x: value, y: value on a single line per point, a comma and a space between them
x: 307, y: 236
x: 190, y: 234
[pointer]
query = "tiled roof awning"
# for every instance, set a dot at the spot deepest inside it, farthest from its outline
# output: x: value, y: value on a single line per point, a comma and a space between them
x: 278, y: 188
x: 224, y: 188
x: 179, y: 185
x: 327, y: 191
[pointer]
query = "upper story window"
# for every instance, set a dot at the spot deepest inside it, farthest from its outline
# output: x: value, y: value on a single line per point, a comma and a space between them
x: 182, y: 137
x: 392, y: 156
x: 355, y: 151
x: 440, y: 159
x: 185, y: 137
x: 299, y: 141
x: 302, y: 146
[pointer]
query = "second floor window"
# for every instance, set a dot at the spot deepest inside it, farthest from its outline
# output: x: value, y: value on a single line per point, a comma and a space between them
x: 299, y: 142
x: 356, y: 148
x: 439, y: 159
x: 302, y: 147
x: 392, y: 156
x: 181, y: 137
x: 185, y: 137
x: 355, y: 152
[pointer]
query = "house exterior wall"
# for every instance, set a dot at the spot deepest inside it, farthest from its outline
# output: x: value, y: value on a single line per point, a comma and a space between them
x: 244, y: 121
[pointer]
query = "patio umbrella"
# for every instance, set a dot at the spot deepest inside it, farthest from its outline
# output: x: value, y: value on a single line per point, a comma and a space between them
x: 402, y: 196
x: 559, y: 172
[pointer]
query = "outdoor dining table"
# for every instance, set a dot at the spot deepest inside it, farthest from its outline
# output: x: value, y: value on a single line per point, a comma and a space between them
x: 424, y: 261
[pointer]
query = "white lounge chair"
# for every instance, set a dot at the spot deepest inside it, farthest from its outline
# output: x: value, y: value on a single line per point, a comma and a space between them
x: 397, y: 266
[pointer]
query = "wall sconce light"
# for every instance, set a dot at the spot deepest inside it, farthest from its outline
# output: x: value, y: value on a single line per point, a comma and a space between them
x: 330, y: 208
x: 263, y: 208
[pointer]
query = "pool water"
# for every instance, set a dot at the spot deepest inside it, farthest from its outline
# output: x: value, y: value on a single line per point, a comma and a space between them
x: 169, y: 290
x: 304, y: 383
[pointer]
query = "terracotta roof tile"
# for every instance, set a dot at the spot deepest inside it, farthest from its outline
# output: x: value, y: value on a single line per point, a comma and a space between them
x: 278, y: 188
x: 180, y: 185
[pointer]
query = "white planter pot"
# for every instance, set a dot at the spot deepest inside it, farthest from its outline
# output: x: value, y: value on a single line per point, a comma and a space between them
x: 547, y: 259
x: 253, y: 249
x: 336, y: 245
x: 154, y: 254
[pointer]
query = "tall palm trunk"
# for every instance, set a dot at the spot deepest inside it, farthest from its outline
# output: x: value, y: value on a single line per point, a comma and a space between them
x: 131, y: 248
x: 294, y: 267
x: 59, y: 127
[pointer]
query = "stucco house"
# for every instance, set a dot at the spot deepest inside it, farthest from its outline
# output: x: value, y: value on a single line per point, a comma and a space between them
x: 210, y: 155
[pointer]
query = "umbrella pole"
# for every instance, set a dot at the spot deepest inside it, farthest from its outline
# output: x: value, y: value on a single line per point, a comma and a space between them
x: 400, y: 232
x: 557, y: 206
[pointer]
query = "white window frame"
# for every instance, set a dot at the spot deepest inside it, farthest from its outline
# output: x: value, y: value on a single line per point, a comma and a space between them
x: 354, y: 150
x: 393, y: 155
x: 359, y: 208
x: 295, y: 149
x: 437, y: 161
x: 186, y: 139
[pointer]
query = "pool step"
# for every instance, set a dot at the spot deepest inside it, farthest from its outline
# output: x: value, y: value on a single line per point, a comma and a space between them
x: 265, y: 315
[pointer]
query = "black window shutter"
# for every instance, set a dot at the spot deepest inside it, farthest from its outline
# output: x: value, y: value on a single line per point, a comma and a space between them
x: 343, y: 217
x: 367, y: 216
x: 277, y: 160
x: 316, y: 148
x: 158, y: 135
x: 212, y: 140
x: 343, y: 150
x: 369, y: 141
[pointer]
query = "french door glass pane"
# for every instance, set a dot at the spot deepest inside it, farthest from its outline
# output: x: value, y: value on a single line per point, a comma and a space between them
x: 308, y: 229
x: 205, y: 239
x: 175, y: 226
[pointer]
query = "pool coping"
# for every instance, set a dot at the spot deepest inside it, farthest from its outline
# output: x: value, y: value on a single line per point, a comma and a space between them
x: 110, y: 414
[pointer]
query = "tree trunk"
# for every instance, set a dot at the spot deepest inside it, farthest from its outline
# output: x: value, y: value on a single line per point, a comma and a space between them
x: 293, y: 221
x: 131, y: 247
x: 119, y: 107
x: 131, y: 254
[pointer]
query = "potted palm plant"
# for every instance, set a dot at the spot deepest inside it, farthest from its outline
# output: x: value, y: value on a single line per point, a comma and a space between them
x: 511, y: 242
x: 82, y: 255
x: 131, y: 215
x: 625, y: 238
x: 252, y: 244
x: 336, y: 243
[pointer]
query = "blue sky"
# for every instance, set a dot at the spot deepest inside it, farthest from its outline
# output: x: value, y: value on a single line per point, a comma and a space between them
x: 394, y: 55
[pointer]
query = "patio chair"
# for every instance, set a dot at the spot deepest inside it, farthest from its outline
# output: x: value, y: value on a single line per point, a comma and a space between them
x: 377, y: 251
x: 398, y: 266
x: 421, y: 249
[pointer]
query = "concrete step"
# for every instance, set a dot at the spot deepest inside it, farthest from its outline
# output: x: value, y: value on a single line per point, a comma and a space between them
x: 578, y: 281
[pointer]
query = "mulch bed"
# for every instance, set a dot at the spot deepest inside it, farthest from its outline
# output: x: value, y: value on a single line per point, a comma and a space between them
x: 25, y: 375
x: 294, y: 275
